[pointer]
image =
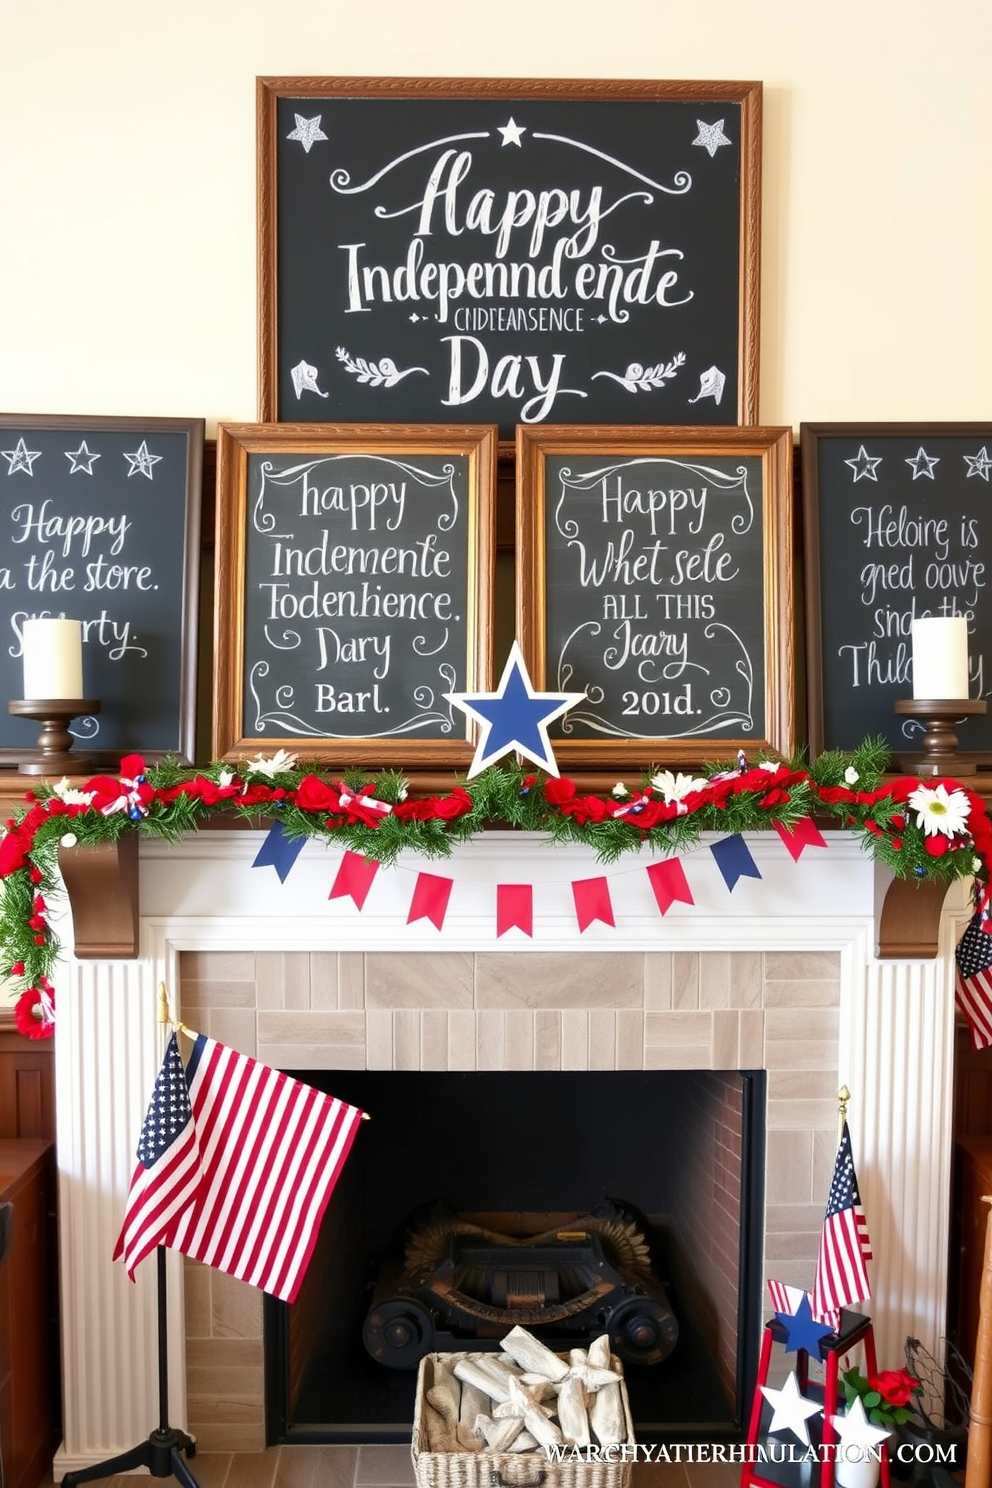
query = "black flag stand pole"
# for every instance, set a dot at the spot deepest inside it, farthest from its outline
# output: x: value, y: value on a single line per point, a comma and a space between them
x: 162, y: 1453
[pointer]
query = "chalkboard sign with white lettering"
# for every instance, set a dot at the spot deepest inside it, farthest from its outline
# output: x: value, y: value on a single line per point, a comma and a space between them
x: 655, y: 575
x: 101, y: 523
x: 898, y: 526
x: 509, y: 251
x: 353, y: 590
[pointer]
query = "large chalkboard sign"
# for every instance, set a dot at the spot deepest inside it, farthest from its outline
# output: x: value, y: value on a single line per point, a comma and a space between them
x: 101, y: 523
x: 655, y: 574
x: 353, y: 590
x: 898, y: 524
x: 509, y: 251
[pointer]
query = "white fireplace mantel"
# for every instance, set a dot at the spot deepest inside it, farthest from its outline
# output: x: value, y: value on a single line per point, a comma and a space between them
x: 894, y: 1051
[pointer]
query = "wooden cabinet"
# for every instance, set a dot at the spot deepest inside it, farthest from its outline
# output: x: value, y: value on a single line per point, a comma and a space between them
x: 29, y: 1374
x: 972, y: 1181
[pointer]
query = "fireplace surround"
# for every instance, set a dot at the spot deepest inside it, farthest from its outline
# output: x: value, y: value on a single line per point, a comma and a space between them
x: 778, y: 976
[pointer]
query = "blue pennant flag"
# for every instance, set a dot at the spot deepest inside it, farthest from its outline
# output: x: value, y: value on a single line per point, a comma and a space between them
x: 734, y: 860
x: 279, y: 850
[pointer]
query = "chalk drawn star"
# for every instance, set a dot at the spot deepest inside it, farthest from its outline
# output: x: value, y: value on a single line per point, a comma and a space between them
x: 20, y: 458
x: 864, y: 464
x: 922, y: 464
x: 82, y: 459
x: 514, y: 718
x: 511, y: 133
x: 979, y: 464
x: 142, y: 460
x: 711, y: 136
x: 790, y: 1409
x: 307, y: 131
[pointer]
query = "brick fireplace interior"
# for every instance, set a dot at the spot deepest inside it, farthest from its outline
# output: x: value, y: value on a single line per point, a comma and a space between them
x: 679, y: 1047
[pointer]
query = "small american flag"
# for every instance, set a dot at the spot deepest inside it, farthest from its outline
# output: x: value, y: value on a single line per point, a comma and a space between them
x: 168, y: 1170
x: 841, y: 1272
x: 785, y: 1298
x: 973, y: 982
x: 271, y: 1150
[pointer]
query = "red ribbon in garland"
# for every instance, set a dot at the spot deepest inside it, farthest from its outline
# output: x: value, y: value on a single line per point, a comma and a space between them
x: 592, y: 901
x: 514, y: 908
x: 669, y: 884
x: 430, y: 899
x: 354, y: 878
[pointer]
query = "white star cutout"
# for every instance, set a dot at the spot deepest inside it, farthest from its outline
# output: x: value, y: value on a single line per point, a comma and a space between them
x: 20, y: 458
x: 790, y: 1409
x: 307, y: 131
x: 142, y: 460
x: 922, y: 464
x: 864, y: 464
x: 711, y: 136
x: 511, y: 133
x: 979, y: 464
x: 82, y: 459
x: 855, y: 1430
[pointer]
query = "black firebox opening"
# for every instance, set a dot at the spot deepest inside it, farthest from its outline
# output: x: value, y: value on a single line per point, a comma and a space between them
x: 680, y: 1152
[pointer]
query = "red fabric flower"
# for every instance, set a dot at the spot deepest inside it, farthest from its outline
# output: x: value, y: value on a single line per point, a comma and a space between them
x: 13, y: 852
x: 449, y: 808
x: 895, y: 1386
x: 558, y: 790
x: 34, y: 1011
x: 314, y: 794
x: 936, y: 846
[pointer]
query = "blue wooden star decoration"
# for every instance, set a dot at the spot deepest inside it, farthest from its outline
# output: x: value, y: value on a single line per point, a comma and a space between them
x: 802, y: 1330
x: 514, y: 718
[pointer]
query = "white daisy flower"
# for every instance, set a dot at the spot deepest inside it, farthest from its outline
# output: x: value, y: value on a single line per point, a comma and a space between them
x: 770, y: 765
x: 620, y: 790
x: 676, y: 787
x: 69, y: 795
x: 940, y: 810
x: 274, y: 765
x: 851, y: 776
x: 224, y: 778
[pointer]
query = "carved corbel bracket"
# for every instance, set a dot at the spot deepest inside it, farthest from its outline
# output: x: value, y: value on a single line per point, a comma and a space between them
x: 907, y: 916
x: 101, y: 880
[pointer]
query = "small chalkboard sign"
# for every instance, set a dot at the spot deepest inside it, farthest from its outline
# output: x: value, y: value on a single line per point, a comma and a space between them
x: 655, y: 575
x: 898, y: 526
x: 353, y: 590
x: 509, y: 250
x: 101, y: 523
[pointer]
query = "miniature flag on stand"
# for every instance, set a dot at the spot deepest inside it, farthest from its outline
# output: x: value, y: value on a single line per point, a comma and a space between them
x: 841, y: 1273
x: 237, y: 1162
x: 973, y: 981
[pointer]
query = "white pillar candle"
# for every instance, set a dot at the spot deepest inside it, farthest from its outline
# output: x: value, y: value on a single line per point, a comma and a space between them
x: 53, y: 658
x: 940, y: 657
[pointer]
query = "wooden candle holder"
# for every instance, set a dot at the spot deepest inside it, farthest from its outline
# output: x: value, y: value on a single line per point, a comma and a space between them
x: 939, y: 717
x: 55, y: 754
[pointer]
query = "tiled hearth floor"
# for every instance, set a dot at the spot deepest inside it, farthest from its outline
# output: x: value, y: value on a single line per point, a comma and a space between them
x: 378, y: 1467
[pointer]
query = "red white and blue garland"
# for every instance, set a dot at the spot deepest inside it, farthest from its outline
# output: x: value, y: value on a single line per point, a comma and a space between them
x: 918, y: 828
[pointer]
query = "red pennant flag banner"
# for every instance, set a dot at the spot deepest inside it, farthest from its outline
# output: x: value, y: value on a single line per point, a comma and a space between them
x: 802, y: 834
x: 430, y: 899
x: 669, y: 884
x: 514, y: 908
x: 354, y: 878
x: 592, y: 901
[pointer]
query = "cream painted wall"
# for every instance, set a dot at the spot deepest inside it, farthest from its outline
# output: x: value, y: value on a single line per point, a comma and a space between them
x: 127, y: 181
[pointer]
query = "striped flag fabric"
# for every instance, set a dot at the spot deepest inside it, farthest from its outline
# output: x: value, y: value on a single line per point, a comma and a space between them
x: 168, y: 1171
x: 270, y: 1150
x: 845, y: 1248
x: 973, y: 979
x: 786, y: 1299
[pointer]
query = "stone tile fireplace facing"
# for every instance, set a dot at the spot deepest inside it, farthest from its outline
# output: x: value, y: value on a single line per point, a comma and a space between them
x: 778, y: 976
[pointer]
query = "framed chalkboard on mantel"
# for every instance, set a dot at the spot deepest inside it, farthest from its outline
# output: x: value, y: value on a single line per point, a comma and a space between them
x: 509, y: 251
x: 655, y: 574
x: 354, y: 590
x: 101, y: 523
x: 898, y: 526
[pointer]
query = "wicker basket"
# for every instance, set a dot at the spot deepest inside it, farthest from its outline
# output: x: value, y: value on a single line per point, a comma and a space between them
x: 508, y: 1469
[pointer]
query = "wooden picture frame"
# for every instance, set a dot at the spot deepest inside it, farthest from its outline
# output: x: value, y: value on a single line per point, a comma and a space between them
x: 508, y: 250
x: 896, y: 523
x: 355, y: 561
x: 103, y: 526
x: 655, y: 573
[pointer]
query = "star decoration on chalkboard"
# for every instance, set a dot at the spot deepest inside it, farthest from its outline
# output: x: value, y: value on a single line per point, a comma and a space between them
x: 514, y: 718
x: 801, y: 1329
x: 511, y: 132
x: 711, y: 136
x: 20, y: 458
x: 141, y: 460
x: 922, y: 464
x: 979, y: 464
x: 307, y: 131
x: 82, y: 459
x: 864, y: 465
